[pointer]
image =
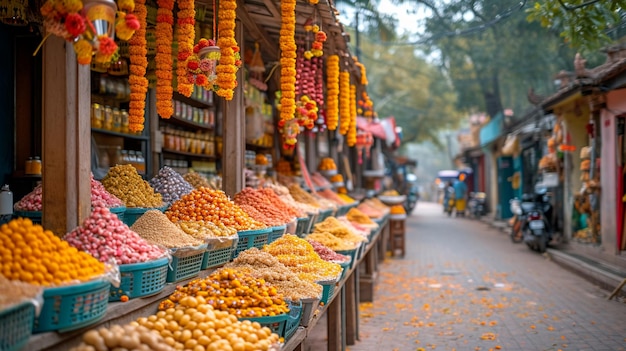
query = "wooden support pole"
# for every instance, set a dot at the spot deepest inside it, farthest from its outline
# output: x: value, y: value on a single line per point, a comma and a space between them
x: 351, y: 307
x: 66, y: 147
x: 234, y: 129
x: 333, y: 322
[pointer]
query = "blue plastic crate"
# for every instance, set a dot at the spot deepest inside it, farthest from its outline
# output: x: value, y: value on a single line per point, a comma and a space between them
x: 34, y: 216
x: 217, y: 257
x: 276, y: 233
x: 72, y: 307
x: 119, y: 212
x: 185, y: 266
x: 17, y: 326
x: 303, y: 224
x: 352, y: 253
x: 251, y: 238
x: 140, y: 279
x: 346, y: 266
x: 133, y: 213
x: 293, y: 321
x: 328, y: 290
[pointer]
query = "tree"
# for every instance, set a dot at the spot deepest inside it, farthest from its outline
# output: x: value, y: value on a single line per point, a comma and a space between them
x: 586, y: 25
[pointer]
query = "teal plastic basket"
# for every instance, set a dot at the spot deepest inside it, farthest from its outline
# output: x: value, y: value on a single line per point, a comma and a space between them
x: 34, y: 216
x: 342, y: 210
x: 251, y: 238
x: 360, y: 250
x: 119, y: 212
x: 346, y: 266
x: 303, y: 224
x: 185, y: 266
x: 324, y: 214
x: 133, y: 213
x: 293, y: 320
x: 328, y: 290
x: 217, y: 257
x: 276, y: 233
x: 17, y: 326
x: 72, y: 307
x: 309, y: 306
x: 276, y: 324
x: 140, y: 279
x: 312, y: 221
x: 352, y: 253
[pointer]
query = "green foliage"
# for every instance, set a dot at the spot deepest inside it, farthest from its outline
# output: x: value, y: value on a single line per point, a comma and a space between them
x: 585, y: 25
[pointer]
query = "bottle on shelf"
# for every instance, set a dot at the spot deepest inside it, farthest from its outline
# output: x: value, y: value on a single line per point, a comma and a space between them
x: 124, y: 158
x: 141, y: 163
x: 132, y: 158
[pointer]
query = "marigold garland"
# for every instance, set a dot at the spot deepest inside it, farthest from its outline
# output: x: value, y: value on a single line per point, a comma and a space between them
x: 230, y: 57
x: 163, y: 58
x: 137, y: 70
x: 352, y: 132
x: 332, y: 92
x: 186, y: 34
x: 344, y: 102
x: 288, y: 59
x: 362, y: 69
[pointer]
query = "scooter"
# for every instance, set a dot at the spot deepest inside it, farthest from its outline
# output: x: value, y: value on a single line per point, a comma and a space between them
x: 520, y: 209
x: 477, y: 204
x: 537, y: 231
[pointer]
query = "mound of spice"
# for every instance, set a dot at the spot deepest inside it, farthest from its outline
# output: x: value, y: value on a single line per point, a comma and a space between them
x: 271, y: 212
x: 263, y: 265
x: 170, y: 184
x: 14, y: 292
x: 302, y: 195
x: 335, y: 227
x: 197, y: 180
x: 283, y: 193
x: 330, y: 241
x: 99, y: 197
x: 124, y: 182
x: 326, y: 253
x: 157, y: 229
x: 214, y: 206
x: 357, y: 216
x: 105, y: 237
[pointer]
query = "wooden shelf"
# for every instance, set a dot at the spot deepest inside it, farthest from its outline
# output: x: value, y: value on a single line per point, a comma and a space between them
x: 187, y: 123
x: 185, y: 153
x: 254, y: 147
x: 192, y: 101
x: 123, y: 135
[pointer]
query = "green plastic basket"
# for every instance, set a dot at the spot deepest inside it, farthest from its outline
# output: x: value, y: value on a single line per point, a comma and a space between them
x: 34, y: 216
x: 276, y: 233
x: 309, y: 306
x: 133, y: 213
x: 352, y: 253
x: 342, y: 210
x: 185, y: 266
x: 293, y: 320
x: 324, y: 214
x: 251, y: 238
x: 17, y: 326
x: 346, y: 265
x: 72, y: 307
x: 119, y: 212
x: 275, y: 323
x: 303, y: 224
x: 217, y: 257
x: 140, y: 279
x: 328, y: 290
x: 312, y: 221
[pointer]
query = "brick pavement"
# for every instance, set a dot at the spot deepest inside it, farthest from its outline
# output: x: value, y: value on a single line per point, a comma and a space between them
x: 464, y: 286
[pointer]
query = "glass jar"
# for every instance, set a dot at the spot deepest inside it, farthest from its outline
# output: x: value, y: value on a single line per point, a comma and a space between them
x: 117, y: 120
x: 141, y: 163
x: 36, y: 168
x: 108, y: 118
x: 125, y: 122
x: 124, y: 158
x: 96, y: 116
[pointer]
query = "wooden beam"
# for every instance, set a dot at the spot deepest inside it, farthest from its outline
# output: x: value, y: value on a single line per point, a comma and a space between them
x: 234, y: 128
x: 66, y: 138
x: 257, y: 32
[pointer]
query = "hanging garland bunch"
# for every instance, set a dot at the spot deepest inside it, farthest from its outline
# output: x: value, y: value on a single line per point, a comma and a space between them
x: 230, y: 59
x: 344, y: 102
x: 164, y: 90
x: 319, y: 81
x: 352, y: 132
x: 307, y: 112
x: 299, y: 86
x: 366, y: 106
x: 332, y: 92
x: 186, y: 34
x: 317, y: 46
x: 137, y: 70
x: 287, y: 60
x: 201, y: 68
x: 362, y: 69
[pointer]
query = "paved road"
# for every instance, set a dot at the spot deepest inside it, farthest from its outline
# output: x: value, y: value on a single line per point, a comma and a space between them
x: 465, y: 286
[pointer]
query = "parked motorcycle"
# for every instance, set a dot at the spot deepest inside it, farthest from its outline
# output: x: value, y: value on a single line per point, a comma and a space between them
x: 532, y: 222
x: 477, y: 204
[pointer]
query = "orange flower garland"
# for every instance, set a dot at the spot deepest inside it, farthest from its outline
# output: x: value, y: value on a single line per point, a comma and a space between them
x: 288, y: 60
x: 138, y: 62
x: 363, y: 70
x: 164, y: 90
x: 352, y: 132
x: 186, y: 34
x: 229, y: 58
x: 332, y: 92
x: 344, y: 102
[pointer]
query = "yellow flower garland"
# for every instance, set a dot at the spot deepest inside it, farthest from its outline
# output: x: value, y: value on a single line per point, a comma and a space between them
x: 288, y: 60
x: 186, y: 34
x: 344, y: 102
x: 363, y: 70
x: 229, y: 60
x: 332, y: 92
x: 352, y: 132
x: 138, y: 63
x: 163, y: 58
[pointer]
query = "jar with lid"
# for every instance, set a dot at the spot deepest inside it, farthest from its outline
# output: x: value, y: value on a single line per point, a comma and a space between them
x: 124, y: 158
x: 6, y: 201
x: 37, y: 165
x: 108, y: 118
x: 96, y: 116
x: 132, y: 158
x: 117, y: 120
x: 125, y: 122
x: 141, y: 163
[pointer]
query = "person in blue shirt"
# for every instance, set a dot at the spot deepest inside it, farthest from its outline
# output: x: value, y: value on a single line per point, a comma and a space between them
x: 460, y: 194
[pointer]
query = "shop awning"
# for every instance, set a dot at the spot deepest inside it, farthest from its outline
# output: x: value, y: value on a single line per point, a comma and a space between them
x: 384, y: 129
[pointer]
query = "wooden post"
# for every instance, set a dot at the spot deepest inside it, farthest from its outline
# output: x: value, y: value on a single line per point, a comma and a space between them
x: 66, y: 138
x: 234, y: 129
x: 351, y: 308
x: 335, y: 331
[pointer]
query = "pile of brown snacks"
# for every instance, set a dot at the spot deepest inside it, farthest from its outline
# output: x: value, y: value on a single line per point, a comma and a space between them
x: 357, y: 216
x: 335, y: 227
x: 209, y: 205
x: 155, y: 228
x: 197, y: 180
x: 125, y: 183
x: 331, y: 241
x: 232, y: 291
x: 302, y: 195
x: 206, y: 230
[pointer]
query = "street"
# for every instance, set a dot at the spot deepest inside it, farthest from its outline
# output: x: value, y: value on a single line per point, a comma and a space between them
x: 465, y: 286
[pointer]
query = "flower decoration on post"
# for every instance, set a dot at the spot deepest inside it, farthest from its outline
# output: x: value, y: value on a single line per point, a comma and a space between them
x: 344, y: 102
x: 201, y: 65
x: 90, y: 26
x: 186, y: 34
x: 230, y: 58
x: 138, y: 62
x: 332, y: 92
x: 289, y: 130
x: 163, y: 58
x: 287, y: 60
